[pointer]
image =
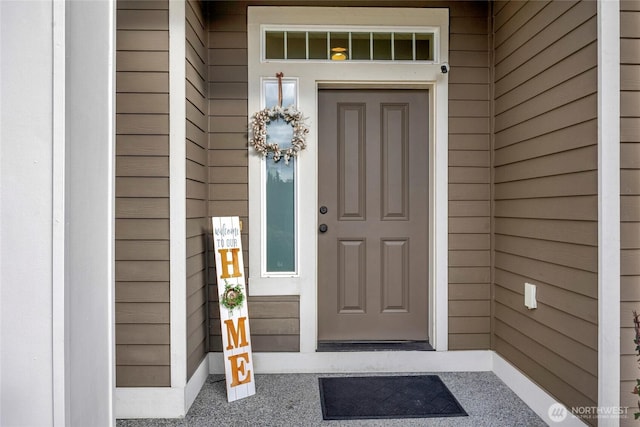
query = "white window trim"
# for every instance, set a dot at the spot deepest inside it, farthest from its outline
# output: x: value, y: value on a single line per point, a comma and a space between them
x: 313, y: 75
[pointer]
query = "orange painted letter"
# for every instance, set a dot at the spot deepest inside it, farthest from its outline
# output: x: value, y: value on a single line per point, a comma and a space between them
x: 238, y: 362
x: 226, y: 261
x: 233, y: 334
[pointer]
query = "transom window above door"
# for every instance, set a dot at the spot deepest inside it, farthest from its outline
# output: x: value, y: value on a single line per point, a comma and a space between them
x: 349, y: 44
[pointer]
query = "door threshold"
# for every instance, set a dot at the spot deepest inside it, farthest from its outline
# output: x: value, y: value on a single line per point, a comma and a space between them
x: 331, y: 346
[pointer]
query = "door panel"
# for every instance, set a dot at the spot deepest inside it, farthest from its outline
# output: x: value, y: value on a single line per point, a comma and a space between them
x: 373, y: 179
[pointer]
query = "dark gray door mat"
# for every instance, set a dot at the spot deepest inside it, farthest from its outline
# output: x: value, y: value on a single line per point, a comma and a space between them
x: 375, y: 397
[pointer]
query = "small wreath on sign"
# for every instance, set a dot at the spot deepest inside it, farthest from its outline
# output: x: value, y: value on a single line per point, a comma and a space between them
x: 232, y: 297
x: 259, y: 132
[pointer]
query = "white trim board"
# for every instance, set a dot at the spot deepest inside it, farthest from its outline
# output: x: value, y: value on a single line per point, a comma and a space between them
x: 533, y: 395
x: 361, y: 362
x: 608, y: 207
x: 177, y: 187
x: 160, y: 402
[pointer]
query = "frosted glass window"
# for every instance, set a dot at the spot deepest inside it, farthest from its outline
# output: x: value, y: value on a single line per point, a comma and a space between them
x: 280, y: 187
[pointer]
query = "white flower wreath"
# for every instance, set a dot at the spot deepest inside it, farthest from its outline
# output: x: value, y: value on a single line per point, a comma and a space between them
x: 291, y: 116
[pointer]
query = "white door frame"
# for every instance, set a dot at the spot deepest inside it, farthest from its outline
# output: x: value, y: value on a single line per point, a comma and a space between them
x: 310, y: 77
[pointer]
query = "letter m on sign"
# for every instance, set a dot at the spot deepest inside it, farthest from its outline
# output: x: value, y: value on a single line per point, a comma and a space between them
x: 234, y: 322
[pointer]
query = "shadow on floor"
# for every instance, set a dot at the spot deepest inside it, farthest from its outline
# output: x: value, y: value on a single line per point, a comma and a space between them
x: 294, y: 400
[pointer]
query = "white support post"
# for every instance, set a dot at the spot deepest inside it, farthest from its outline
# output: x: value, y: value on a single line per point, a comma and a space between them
x: 608, y: 207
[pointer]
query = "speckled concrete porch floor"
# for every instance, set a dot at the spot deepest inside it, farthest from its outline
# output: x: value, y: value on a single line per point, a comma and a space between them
x: 294, y: 400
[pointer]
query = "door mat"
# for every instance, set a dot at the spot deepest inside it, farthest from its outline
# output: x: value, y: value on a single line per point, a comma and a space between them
x: 414, y: 396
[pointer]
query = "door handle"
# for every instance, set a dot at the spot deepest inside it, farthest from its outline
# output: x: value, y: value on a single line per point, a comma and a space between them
x: 323, y: 228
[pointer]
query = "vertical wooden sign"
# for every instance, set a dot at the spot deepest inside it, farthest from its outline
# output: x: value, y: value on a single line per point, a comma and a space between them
x: 234, y: 318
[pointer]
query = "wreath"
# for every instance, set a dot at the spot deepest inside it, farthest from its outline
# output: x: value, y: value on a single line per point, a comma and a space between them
x: 232, y: 297
x: 259, y: 136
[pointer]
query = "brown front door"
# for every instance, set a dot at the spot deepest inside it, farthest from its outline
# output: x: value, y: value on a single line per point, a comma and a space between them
x: 372, y: 236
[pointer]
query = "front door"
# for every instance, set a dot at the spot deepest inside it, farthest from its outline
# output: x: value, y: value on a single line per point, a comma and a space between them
x: 373, y: 217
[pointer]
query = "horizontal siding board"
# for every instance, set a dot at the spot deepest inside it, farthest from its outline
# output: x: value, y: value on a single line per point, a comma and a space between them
x: 143, y: 4
x: 574, y: 184
x: 629, y: 49
x: 475, y: 208
x: 143, y: 229
x: 142, y: 187
x: 468, y: 91
x: 469, y: 158
x: 150, y: 61
x: 143, y: 376
x: 472, y: 175
x: 228, y: 107
x: 196, y: 190
x: 142, y: 334
x: 630, y: 208
x: 142, y: 207
x: 579, y: 208
x: 228, y: 192
x: 142, y: 166
x: 469, y: 258
x: 138, y: 313
x: 142, y: 40
x: 142, y: 250
x: 469, y: 291
x: 153, y: 271
x: 228, y: 175
x: 469, y: 308
x: 468, y: 142
x: 142, y: 20
x: 145, y: 355
x: 228, y: 73
x: 142, y: 145
x: 578, y: 232
x: 630, y: 77
x: 142, y: 291
x: 469, y: 241
x: 227, y: 39
x: 469, y: 225
x: 469, y: 341
x: 469, y: 191
x: 568, y: 162
x: 196, y: 153
x: 142, y: 82
x: 143, y: 124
